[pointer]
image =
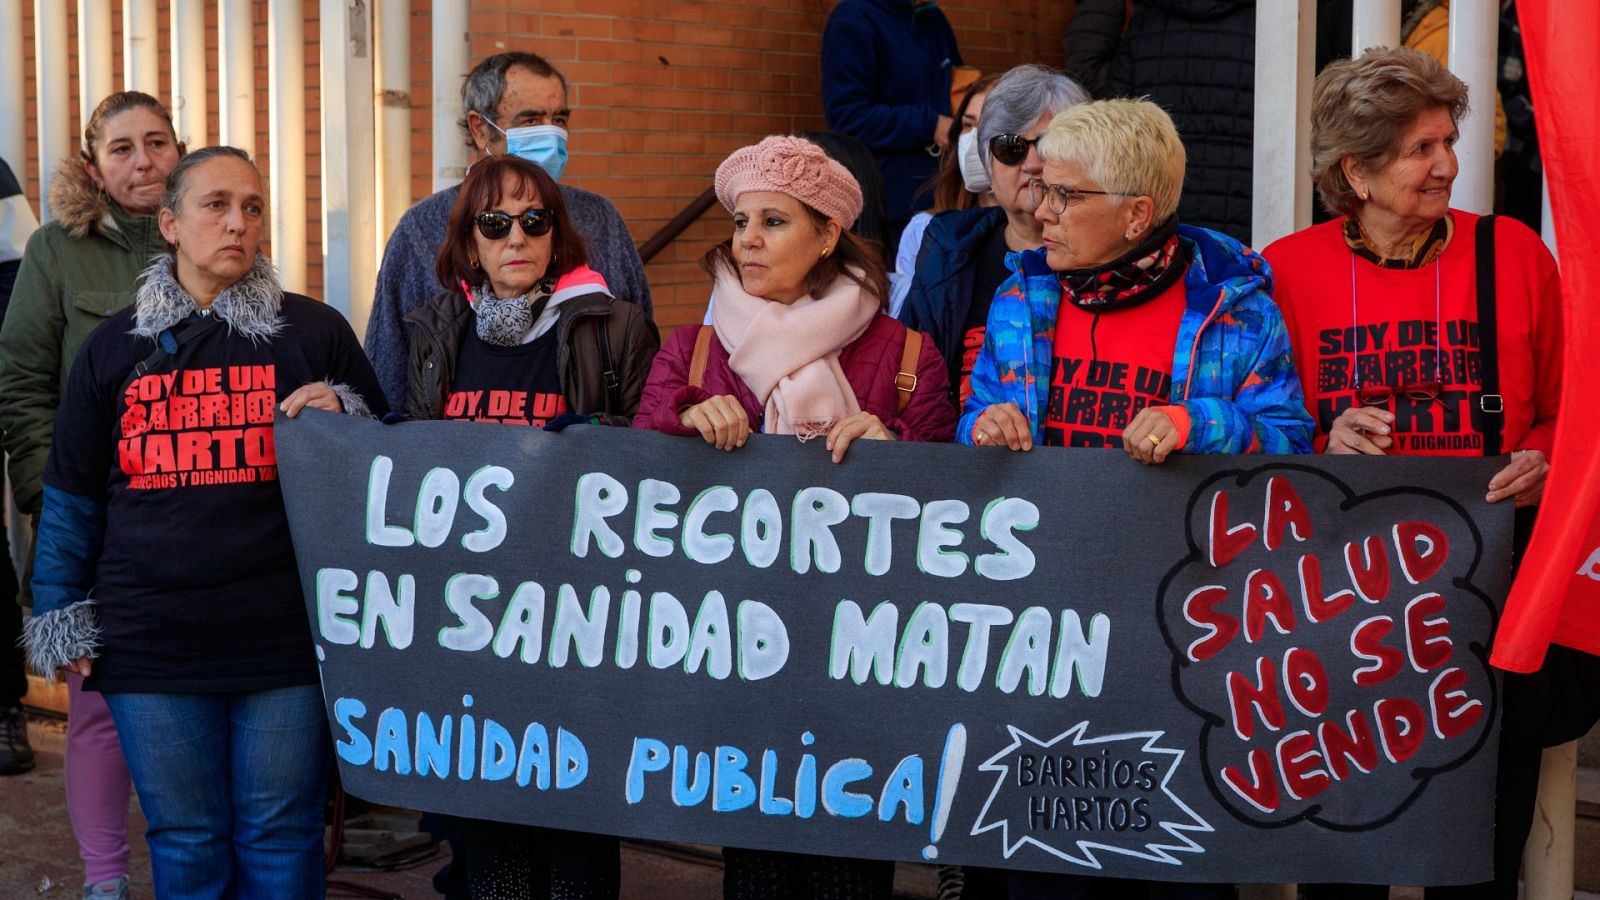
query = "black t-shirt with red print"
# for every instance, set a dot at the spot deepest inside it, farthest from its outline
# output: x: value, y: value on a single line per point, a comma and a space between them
x: 196, y: 585
x: 509, y: 385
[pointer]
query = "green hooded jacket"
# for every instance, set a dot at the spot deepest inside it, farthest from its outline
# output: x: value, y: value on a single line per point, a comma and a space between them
x: 76, y: 271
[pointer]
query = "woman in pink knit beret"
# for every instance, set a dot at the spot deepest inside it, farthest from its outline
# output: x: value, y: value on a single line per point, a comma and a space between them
x: 798, y: 345
x: 798, y: 342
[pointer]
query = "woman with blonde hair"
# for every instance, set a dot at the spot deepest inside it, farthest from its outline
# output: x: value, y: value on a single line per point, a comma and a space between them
x: 1120, y: 286
x: 1119, y: 282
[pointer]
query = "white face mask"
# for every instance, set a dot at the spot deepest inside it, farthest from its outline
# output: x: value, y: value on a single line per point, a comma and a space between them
x: 973, y: 173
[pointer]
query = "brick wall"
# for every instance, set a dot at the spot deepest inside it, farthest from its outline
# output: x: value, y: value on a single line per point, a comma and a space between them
x: 662, y: 91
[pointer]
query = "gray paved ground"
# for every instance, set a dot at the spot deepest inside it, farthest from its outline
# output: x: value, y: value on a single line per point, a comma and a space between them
x: 38, y: 858
x: 36, y: 846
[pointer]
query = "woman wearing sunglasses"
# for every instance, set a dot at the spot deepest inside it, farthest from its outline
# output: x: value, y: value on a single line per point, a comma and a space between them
x: 524, y: 333
x: 963, y: 257
x: 1431, y: 332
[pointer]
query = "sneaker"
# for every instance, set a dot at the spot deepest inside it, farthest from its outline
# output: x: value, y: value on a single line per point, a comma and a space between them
x: 16, y: 754
x: 107, y: 890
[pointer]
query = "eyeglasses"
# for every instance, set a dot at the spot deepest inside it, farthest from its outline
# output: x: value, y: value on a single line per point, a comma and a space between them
x: 1061, y: 196
x: 1383, y: 395
x: 495, y: 225
x: 1011, y: 149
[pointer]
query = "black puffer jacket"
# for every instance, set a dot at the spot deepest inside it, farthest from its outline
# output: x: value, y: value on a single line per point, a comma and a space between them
x: 435, y: 332
x: 1196, y: 58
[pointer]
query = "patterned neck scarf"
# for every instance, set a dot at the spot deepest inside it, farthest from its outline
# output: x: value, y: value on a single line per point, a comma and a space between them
x: 504, y: 323
x: 1424, y: 249
x: 1141, y: 274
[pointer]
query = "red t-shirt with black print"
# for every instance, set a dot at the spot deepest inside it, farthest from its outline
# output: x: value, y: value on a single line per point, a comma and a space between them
x: 1391, y: 331
x: 1108, y: 366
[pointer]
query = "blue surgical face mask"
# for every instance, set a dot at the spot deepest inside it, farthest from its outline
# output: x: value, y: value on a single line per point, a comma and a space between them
x: 543, y: 145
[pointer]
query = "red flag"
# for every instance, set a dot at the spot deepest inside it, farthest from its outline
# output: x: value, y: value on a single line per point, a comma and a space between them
x: 1556, y: 597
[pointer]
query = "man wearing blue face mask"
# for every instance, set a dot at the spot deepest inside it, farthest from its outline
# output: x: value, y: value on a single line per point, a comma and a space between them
x: 516, y: 103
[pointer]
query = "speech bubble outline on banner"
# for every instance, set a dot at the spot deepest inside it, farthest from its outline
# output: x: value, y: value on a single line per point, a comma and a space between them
x: 1153, y: 852
x: 1420, y: 775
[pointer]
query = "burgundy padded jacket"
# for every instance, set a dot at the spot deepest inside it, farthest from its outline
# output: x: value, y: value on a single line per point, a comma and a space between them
x: 870, y: 363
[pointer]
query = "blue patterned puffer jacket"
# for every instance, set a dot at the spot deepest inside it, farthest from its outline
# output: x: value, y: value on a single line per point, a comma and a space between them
x: 1233, y: 372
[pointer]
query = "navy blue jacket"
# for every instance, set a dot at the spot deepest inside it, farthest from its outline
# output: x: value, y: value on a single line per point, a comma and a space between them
x: 885, y: 82
x: 941, y: 290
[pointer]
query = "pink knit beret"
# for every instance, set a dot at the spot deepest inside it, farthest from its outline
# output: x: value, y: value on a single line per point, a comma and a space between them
x: 793, y: 166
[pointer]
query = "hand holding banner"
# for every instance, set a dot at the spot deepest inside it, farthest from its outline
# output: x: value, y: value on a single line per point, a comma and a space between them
x: 1224, y: 669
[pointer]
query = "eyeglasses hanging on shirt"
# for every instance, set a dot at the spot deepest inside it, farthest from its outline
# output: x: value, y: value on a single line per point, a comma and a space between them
x: 1383, y: 394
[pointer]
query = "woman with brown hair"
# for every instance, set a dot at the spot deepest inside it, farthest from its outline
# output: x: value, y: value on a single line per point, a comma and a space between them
x: 77, y: 271
x: 961, y: 183
x: 798, y: 345
x: 524, y: 333
x: 164, y: 573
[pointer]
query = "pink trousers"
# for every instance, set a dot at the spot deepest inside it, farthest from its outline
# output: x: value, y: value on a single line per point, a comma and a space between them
x: 97, y: 785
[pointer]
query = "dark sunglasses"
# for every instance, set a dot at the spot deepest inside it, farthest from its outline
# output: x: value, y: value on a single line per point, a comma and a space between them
x: 1011, y: 149
x: 1383, y: 395
x: 495, y: 224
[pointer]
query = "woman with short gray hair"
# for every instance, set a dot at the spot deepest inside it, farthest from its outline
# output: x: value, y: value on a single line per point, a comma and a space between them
x: 963, y: 257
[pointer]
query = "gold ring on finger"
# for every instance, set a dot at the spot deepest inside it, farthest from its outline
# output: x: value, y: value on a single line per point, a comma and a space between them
x: 1154, y: 440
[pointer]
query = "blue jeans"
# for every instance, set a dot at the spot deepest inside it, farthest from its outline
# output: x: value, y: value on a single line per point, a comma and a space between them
x: 233, y: 786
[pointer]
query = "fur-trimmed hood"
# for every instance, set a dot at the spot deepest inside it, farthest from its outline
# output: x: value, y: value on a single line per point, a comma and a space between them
x: 77, y: 202
x: 251, y: 306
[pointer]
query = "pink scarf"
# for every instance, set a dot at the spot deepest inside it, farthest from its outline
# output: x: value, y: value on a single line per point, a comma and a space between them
x: 788, y: 355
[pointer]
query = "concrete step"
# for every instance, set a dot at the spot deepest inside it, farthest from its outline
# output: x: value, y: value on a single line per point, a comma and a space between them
x: 1586, y: 853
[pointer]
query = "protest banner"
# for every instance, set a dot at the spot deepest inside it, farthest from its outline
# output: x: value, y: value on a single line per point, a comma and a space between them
x: 1217, y: 669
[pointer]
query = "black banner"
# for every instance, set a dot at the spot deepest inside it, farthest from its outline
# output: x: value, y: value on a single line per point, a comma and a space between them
x: 1218, y: 669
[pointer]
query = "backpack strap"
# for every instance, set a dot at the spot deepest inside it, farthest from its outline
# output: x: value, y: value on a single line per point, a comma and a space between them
x: 168, y: 342
x: 608, y: 369
x: 702, y: 354
x: 1491, y: 403
x: 905, y: 380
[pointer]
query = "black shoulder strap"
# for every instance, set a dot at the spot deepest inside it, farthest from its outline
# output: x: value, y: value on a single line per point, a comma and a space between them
x: 167, y: 344
x: 608, y: 369
x: 1490, y: 402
